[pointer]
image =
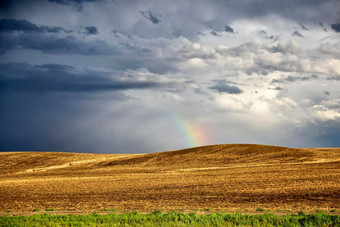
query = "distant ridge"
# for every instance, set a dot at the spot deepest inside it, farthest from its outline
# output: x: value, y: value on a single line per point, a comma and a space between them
x: 230, y: 154
x: 205, y: 156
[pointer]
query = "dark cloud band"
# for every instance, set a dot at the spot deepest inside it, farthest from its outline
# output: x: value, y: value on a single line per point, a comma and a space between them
x: 56, y: 45
x: 77, y: 4
x: 53, y: 77
x: 11, y: 25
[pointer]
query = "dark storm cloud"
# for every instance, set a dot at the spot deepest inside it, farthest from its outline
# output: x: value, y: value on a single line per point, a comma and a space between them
x: 62, y: 108
x: 6, y: 4
x: 85, y: 91
x: 77, y: 4
x: 11, y: 25
x: 153, y: 17
x: 56, y: 45
x: 69, y: 2
x: 52, y: 77
x: 298, y: 34
x: 18, y: 25
x: 70, y: 122
x: 320, y: 134
x: 336, y: 27
x: 91, y: 30
x: 229, y: 29
x: 225, y: 88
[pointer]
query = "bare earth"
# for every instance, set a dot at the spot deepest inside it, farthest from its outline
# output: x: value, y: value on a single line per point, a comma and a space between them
x: 234, y: 177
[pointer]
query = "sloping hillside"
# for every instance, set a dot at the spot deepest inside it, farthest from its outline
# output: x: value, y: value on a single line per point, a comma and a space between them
x: 235, y: 177
x: 230, y: 154
x: 207, y: 156
x: 26, y: 162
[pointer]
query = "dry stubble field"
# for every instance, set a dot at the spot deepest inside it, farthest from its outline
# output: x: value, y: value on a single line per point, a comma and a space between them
x: 221, y: 177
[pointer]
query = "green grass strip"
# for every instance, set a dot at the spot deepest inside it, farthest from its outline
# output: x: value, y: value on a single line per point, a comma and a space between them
x: 158, y: 218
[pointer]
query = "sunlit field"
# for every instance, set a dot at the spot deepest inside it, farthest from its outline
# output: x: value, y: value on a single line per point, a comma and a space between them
x: 230, y: 178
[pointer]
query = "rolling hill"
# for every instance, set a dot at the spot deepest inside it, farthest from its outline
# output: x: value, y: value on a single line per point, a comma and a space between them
x: 232, y: 177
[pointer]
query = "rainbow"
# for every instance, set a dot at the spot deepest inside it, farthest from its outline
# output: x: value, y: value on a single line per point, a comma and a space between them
x: 194, y: 135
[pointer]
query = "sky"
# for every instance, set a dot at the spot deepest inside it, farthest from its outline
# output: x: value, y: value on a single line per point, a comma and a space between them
x: 136, y: 76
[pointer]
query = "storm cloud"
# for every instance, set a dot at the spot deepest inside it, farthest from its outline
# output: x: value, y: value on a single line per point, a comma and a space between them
x: 56, y: 45
x: 91, y: 30
x: 11, y: 25
x: 77, y: 4
x: 16, y: 77
x: 108, y: 76
x: 68, y: 2
x: 336, y: 27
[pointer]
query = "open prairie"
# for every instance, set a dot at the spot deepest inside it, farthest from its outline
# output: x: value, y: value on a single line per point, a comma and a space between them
x: 234, y: 177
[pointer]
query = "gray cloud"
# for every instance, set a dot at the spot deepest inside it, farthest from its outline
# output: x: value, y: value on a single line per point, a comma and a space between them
x: 298, y: 34
x: 262, y: 32
x: 225, y: 88
x: 91, y: 30
x: 153, y: 17
x: 303, y: 27
x: 336, y: 27
x: 74, y: 107
x: 229, y: 29
x: 124, y: 15
x: 214, y: 33
x: 273, y: 37
x: 295, y: 78
x: 323, y: 26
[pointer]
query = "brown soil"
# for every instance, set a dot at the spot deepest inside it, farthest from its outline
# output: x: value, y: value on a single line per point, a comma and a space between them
x: 232, y: 178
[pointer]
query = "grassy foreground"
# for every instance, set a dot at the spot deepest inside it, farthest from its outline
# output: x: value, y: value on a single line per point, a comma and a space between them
x: 173, y: 219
